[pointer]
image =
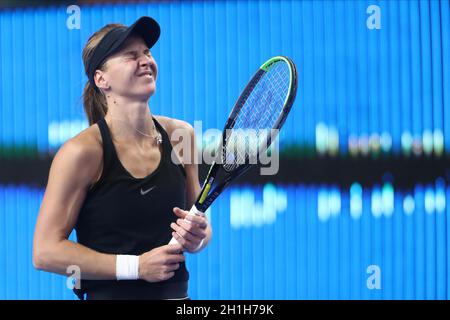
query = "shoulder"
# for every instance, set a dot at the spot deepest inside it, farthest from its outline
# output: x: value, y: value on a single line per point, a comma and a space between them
x: 82, y: 155
x: 172, y: 124
x: 182, y: 138
x: 86, y: 145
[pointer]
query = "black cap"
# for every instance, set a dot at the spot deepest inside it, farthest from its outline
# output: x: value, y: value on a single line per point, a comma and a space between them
x: 146, y: 27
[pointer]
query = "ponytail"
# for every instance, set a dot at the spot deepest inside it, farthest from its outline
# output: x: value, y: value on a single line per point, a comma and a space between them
x: 94, y: 103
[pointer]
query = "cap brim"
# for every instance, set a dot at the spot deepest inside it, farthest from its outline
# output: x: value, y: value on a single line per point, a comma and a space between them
x: 145, y: 27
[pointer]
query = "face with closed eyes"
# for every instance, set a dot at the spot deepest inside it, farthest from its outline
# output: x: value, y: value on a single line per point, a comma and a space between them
x: 131, y: 72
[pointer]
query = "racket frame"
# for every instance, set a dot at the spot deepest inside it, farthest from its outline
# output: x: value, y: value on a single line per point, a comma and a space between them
x: 207, y: 196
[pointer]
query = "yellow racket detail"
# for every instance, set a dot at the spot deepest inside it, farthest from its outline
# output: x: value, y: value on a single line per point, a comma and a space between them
x: 205, y: 193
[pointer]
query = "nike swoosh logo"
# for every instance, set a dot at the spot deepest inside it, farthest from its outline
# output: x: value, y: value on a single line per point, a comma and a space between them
x: 144, y: 192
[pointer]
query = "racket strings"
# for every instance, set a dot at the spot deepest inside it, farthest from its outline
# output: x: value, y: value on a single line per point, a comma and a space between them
x: 259, y: 114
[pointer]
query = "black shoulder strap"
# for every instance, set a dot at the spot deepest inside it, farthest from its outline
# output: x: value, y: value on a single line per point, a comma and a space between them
x: 165, y: 138
x: 167, y: 146
x: 108, y: 146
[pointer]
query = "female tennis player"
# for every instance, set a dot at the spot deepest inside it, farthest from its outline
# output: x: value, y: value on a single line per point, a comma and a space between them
x: 116, y: 184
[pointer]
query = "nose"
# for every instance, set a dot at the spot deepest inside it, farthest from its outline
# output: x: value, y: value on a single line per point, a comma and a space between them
x: 145, y: 61
x: 148, y: 63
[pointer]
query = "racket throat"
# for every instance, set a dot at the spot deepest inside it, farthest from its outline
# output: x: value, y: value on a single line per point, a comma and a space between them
x: 205, y: 191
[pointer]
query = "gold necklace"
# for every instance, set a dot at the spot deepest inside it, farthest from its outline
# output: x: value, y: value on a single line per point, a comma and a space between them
x: 157, y: 137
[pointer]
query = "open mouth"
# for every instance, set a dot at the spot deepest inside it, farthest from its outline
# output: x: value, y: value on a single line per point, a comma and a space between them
x: 147, y: 74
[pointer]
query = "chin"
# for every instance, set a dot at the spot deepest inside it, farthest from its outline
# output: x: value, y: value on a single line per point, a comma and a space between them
x: 150, y: 91
x: 147, y: 92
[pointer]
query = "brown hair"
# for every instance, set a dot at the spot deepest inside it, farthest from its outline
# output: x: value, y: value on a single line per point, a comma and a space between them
x: 94, y: 100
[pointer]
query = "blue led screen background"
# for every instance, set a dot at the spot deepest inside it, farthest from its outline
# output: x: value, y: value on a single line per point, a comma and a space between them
x: 363, y: 184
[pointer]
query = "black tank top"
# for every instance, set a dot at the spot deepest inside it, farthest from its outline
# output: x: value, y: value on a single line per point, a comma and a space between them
x: 126, y: 215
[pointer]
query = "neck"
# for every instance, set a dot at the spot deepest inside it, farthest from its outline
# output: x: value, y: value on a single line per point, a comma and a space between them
x: 129, y: 120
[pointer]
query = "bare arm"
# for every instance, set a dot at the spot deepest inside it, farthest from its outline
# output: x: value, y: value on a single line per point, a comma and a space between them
x: 192, y: 183
x: 191, y: 233
x: 73, y: 169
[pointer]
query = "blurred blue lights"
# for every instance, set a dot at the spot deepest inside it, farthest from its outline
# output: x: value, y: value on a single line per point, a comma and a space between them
x: 245, y: 211
x: 361, y: 90
x: 283, y: 224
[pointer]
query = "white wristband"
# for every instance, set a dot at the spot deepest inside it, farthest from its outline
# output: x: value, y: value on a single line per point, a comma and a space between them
x: 127, y: 267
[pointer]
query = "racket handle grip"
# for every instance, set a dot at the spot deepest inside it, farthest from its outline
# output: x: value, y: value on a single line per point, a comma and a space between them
x: 193, y: 211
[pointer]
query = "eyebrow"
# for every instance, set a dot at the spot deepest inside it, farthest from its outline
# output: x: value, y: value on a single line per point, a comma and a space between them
x: 134, y: 52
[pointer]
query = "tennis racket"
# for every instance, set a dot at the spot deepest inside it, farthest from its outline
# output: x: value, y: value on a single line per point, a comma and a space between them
x: 253, y: 124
